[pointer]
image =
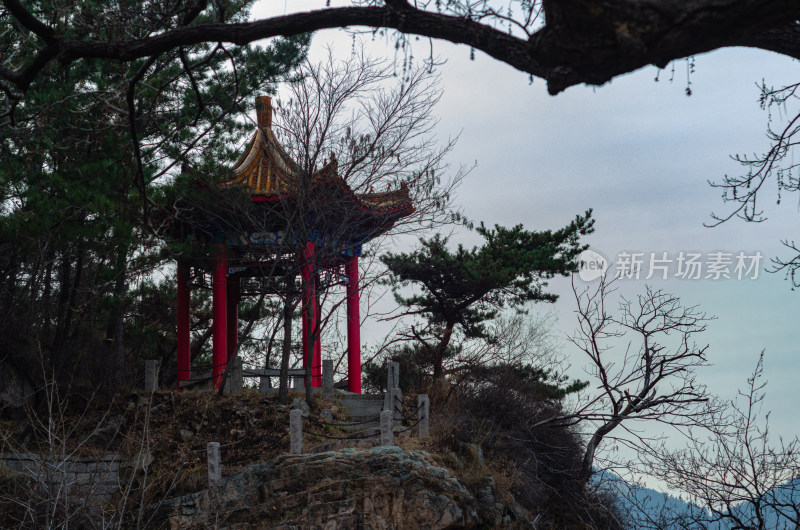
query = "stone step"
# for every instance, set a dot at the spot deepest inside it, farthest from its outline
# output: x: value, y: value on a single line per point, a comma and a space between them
x: 371, y: 428
x: 349, y: 403
x: 363, y: 397
x: 358, y: 407
x: 363, y: 417
x: 351, y: 399
x: 362, y: 411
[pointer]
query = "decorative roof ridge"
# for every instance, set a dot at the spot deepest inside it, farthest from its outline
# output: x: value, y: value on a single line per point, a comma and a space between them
x: 247, y: 159
x: 402, y: 190
x: 329, y: 169
x: 270, y: 142
x: 266, y: 158
x: 388, y: 200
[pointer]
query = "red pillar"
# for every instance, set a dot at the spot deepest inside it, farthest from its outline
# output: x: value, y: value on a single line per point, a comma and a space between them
x: 233, y: 315
x: 220, y: 313
x: 316, y: 370
x: 353, y: 328
x: 311, y: 316
x: 182, y: 331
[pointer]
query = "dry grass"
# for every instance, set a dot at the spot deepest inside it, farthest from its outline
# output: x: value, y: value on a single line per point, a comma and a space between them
x: 173, y: 428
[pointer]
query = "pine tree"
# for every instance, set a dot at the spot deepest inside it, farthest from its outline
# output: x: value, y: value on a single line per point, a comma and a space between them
x: 466, y: 288
x: 89, y: 155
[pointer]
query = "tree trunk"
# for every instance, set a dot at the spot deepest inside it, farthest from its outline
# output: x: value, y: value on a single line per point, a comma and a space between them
x: 288, y: 311
x: 117, y: 321
x: 313, y: 336
x: 59, y: 336
x: 441, y: 348
x: 46, y: 323
x: 591, y: 447
x: 270, y: 345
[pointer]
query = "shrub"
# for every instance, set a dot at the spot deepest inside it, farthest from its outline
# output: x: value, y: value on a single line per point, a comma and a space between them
x: 498, y: 408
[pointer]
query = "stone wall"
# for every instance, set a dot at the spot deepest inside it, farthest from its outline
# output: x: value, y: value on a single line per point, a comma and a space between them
x: 90, y: 480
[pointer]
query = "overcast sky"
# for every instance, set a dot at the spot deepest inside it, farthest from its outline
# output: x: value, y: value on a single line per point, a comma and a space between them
x: 640, y: 153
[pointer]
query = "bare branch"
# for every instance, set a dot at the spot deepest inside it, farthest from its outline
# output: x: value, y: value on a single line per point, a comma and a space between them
x: 582, y: 41
x: 651, y: 381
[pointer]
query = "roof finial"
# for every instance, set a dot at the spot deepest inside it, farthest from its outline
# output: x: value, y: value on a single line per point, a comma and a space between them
x: 264, y: 111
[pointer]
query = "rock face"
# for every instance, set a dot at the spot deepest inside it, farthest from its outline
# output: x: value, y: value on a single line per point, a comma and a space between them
x: 377, y: 488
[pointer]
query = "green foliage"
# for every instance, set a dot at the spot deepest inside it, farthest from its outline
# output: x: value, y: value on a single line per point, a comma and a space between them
x: 415, y: 365
x: 150, y: 328
x: 74, y: 234
x: 468, y: 287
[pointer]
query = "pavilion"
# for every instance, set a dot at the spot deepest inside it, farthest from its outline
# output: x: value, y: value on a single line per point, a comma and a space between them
x: 312, y: 225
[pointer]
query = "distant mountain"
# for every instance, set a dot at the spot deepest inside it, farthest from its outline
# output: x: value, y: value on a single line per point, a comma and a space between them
x: 649, y: 508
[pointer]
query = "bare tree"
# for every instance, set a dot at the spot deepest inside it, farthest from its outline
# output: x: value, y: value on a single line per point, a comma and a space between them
x: 732, y: 469
x: 379, y: 127
x: 522, y: 338
x: 652, y: 377
x: 732, y: 473
x: 745, y: 192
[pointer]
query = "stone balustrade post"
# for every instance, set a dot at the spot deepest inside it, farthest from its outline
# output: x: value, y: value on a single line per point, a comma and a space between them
x: 396, y: 400
x: 214, y: 464
x: 296, y: 431
x: 236, y: 376
x: 394, y: 376
x: 327, y: 377
x: 424, y: 410
x: 150, y: 375
x: 387, y: 424
x: 392, y: 382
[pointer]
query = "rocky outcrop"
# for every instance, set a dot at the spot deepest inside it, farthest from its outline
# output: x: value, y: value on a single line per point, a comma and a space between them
x: 377, y: 488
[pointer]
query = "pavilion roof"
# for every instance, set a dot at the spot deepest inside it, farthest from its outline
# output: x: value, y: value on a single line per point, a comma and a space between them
x: 269, y: 173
